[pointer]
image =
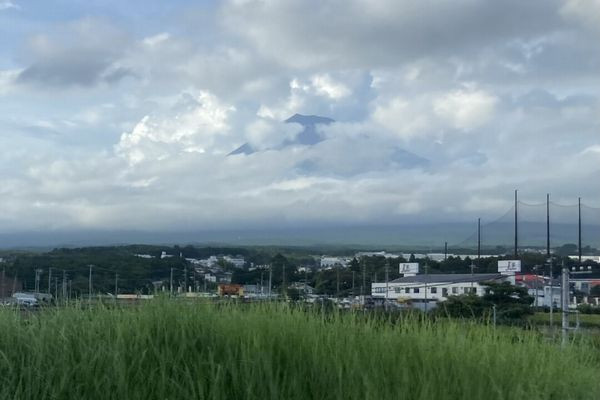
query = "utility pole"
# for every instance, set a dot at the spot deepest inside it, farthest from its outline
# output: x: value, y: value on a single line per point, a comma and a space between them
x: 49, y: 278
x: 185, y: 278
x: 426, y: 278
x: 3, y: 283
x: 537, y: 294
x: 337, y: 281
x: 283, y: 280
x: 37, y: 280
x: 261, y: 282
x: 305, y: 281
x: 549, y: 259
x: 565, y: 304
x: 353, y: 292
x: 171, y: 284
x: 270, y: 279
x: 194, y: 278
x: 64, y: 285
x: 387, y: 283
x: 116, y: 285
x: 478, y: 242
x: 56, y: 287
x: 516, y: 227
x: 90, y: 286
x: 445, y: 251
x: 364, y: 279
x: 472, y: 276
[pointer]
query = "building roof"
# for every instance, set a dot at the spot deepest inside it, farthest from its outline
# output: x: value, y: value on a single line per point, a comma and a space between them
x: 449, y: 278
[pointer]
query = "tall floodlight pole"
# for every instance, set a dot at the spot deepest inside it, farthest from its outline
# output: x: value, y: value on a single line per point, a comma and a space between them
x: 579, y: 230
x: 548, y: 224
x: 516, y: 226
x: 549, y: 259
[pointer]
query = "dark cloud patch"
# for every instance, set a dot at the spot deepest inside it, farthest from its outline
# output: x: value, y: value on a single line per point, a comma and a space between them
x: 83, y: 53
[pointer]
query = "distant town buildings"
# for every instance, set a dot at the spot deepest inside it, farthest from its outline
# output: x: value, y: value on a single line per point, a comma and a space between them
x: 432, y: 288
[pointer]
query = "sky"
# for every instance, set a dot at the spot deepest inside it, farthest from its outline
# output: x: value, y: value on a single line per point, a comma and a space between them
x: 120, y: 115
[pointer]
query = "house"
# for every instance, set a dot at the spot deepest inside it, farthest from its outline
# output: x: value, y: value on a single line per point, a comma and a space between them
x: 432, y: 288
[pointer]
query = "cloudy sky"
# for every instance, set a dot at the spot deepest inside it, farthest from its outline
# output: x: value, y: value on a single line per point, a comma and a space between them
x: 121, y: 114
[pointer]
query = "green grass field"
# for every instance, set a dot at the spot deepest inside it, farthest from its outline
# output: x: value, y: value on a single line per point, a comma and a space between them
x: 585, y: 320
x: 169, y: 350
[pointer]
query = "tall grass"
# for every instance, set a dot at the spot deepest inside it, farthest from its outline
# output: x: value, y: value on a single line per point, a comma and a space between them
x: 169, y: 350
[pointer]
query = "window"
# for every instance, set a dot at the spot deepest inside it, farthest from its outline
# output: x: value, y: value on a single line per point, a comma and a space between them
x: 398, y: 290
x: 466, y: 290
x: 407, y: 290
x: 454, y: 290
x: 433, y: 290
x: 416, y: 290
x: 444, y: 292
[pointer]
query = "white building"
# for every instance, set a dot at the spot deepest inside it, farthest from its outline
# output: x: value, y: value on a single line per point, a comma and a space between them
x: 209, y: 262
x: 144, y: 256
x: 237, y: 262
x: 434, y: 287
x: 328, y: 262
x: 376, y: 254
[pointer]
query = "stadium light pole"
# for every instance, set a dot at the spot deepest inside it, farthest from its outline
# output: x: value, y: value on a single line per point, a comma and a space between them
x: 516, y: 225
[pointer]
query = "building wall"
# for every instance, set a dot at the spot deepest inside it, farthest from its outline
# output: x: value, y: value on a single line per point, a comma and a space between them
x: 436, y: 291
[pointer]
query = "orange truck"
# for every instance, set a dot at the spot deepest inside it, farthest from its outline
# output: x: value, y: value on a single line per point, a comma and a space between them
x: 227, y: 289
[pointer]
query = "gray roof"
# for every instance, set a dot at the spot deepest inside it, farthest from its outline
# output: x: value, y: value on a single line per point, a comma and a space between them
x: 449, y: 278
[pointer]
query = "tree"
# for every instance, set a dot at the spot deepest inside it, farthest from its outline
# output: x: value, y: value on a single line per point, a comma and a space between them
x: 511, y: 302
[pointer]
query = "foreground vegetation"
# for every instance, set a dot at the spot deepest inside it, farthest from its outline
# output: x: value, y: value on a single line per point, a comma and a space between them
x: 172, y: 350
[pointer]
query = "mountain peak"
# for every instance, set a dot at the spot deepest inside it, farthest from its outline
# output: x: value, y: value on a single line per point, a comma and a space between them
x: 308, y: 120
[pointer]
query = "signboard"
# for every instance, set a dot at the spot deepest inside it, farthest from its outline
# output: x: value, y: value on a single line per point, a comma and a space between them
x: 509, y: 266
x: 409, y: 268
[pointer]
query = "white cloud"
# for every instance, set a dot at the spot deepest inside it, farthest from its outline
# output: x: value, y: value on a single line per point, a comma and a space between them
x: 324, y: 85
x: 466, y: 109
x: 194, y: 125
x: 7, y: 5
